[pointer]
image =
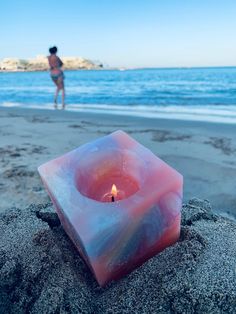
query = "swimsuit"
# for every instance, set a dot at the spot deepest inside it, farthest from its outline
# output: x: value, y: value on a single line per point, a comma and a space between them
x: 56, y: 76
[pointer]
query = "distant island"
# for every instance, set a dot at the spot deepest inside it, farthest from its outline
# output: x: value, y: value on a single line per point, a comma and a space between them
x: 40, y: 63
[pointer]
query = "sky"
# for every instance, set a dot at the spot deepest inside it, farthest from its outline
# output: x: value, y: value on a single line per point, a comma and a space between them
x: 122, y: 33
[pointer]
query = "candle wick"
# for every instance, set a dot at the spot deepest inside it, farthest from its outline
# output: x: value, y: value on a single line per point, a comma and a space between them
x: 113, y: 198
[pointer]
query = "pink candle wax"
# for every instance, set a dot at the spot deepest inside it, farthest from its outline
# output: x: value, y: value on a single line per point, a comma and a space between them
x: 115, y: 230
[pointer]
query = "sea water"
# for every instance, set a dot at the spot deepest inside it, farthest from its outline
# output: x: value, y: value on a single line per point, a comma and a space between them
x: 203, y: 94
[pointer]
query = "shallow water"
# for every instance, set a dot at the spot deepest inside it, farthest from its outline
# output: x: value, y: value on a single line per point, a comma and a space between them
x: 205, y: 94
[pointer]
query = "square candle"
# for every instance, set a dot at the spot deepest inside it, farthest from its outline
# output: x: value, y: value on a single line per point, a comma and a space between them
x: 117, y: 201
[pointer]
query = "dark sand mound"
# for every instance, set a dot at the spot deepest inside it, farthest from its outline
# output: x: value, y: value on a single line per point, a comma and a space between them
x: 41, y: 272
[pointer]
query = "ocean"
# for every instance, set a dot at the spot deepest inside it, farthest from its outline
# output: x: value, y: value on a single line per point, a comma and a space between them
x: 200, y: 94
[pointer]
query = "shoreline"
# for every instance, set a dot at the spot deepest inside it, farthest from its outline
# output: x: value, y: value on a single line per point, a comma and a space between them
x: 199, y: 114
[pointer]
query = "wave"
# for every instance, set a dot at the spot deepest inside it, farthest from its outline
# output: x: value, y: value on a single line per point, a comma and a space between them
x: 210, y: 113
x: 49, y: 89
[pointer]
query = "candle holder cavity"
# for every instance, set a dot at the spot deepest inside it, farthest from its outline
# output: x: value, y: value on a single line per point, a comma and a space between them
x: 117, y: 201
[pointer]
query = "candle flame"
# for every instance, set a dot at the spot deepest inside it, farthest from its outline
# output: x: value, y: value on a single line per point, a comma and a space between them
x: 114, y: 190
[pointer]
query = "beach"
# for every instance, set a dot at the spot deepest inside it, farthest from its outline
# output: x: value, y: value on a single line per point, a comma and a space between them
x: 40, y: 269
x: 203, y: 152
x: 118, y: 157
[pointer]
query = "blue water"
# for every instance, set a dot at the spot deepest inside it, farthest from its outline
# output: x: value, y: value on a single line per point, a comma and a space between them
x: 207, y: 94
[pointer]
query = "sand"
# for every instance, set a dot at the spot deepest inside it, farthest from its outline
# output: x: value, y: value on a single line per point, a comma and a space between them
x: 205, y: 153
x: 41, y: 272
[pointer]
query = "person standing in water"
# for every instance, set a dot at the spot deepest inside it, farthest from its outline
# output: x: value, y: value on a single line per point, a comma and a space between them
x: 57, y: 75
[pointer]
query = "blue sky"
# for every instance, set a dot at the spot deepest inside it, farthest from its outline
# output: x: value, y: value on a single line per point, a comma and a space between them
x: 130, y: 33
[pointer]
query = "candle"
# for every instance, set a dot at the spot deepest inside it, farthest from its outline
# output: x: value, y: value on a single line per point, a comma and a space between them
x: 118, y: 202
x: 113, y: 195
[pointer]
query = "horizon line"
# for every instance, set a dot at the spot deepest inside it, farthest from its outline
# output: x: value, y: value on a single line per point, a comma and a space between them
x: 106, y: 66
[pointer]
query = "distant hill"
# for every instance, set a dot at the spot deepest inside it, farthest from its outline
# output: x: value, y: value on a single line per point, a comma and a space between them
x: 40, y: 63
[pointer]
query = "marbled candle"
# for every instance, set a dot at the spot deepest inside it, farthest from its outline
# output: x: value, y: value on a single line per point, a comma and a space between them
x: 115, y: 229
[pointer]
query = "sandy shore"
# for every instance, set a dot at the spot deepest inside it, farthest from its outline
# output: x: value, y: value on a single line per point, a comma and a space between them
x: 41, y: 272
x: 205, y: 153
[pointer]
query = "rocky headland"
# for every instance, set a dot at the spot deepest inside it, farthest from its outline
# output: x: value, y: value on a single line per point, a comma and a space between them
x: 40, y: 63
